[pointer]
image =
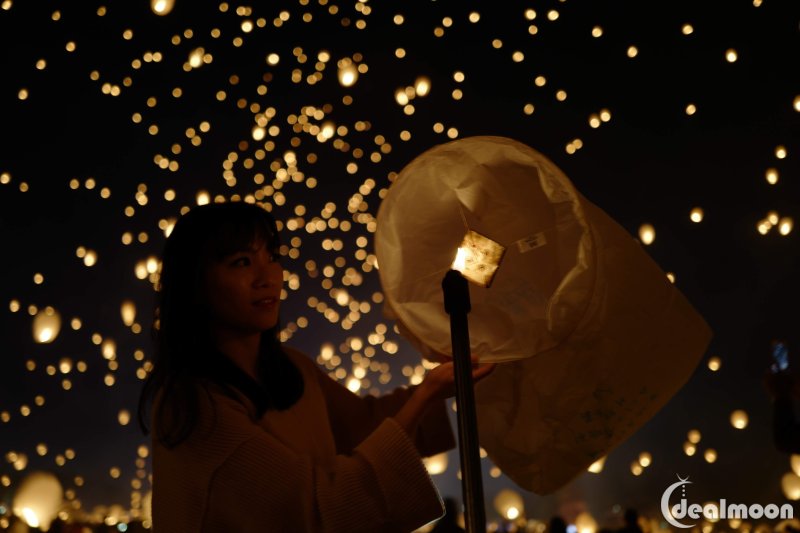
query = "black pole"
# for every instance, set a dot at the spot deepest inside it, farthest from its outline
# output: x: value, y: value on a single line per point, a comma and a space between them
x: 457, y: 305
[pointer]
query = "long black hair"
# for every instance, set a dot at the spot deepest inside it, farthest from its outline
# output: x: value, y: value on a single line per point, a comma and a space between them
x: 184, y: 351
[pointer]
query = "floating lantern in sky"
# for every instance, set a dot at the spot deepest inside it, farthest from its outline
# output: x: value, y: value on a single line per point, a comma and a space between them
x: 780, y: 152
x: 739, y: 419
x: 795, y: 462
x: 162, y: 7
x: 714, y: 363
x: 196, y: 57
x: 710, y: 455
x: 554, y: 273
x: 585, y: 523
x: 731, y: 56
x: 436, y: 464
x: 422, y: 86
x: 645, y: 459
x: 46, y: 325
x: 508, y: 503
x: 597, y: 466
x: 772, y: 176
x: 647, y: 234
x: 348, y: 74
x: 696, y: 215
x: 790, y: 484
x: 694, y: 436
x: 689, y: 448
x: 128, y: 312
x: 38, y: 499
x: 785, y: 225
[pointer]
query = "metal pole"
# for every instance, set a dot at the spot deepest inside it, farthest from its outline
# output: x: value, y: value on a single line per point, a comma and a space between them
x: 457, y: 305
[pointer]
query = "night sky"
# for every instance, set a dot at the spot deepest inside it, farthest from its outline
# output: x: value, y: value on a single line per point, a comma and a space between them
x: 114, y: 119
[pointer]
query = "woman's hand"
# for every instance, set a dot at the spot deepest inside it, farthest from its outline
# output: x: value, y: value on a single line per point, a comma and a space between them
x: 438, y: 385
x: 440, y: 382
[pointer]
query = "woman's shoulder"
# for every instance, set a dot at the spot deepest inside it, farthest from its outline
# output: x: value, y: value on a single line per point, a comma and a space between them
x: 299, y: 358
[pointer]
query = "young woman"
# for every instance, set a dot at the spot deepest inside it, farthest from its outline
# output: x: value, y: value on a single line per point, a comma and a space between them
x: 250, y: 435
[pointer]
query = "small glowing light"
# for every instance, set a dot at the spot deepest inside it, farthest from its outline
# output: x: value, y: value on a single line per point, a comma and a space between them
x: 739, y: 419
x: 785, y: 225
x: 671, y: 277
x: 710, y: 455
x: 797, y: 103
x: 632, y: 51
x: 46, y: 325
x: 124, y: 417
x: 561, y: 95
x: 512, y: 513
x: 528, y: 109
x: 478, y: 258
x: 348, y: 75
x: 354, y: 384
x: 636, y: 469
x: 22, y: 94
x: 597, y: 31
x: 552, y: 15
x: 714, y: 363
x: 605, y: 115
x: 687, y: 29
x: 780, y: 152
x: 731, y: 56
x: 772, y: 176
x: 696, y: 215
x: 691, y: 109
x: 597, y: 466
x: 474, y: 17
x: 422, y: 86
x: 162, y: 7
x: 645, y: 459
x: 647, y: 234
x: 530, y: 14
x: 436, y: 464
x: 196, y: 57
x: 517, y: 57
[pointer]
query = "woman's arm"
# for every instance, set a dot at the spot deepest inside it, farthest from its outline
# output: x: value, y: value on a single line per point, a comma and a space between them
x: 381, y: 486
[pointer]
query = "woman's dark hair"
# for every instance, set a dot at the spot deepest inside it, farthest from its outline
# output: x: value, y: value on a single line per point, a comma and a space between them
x: 184, y: 351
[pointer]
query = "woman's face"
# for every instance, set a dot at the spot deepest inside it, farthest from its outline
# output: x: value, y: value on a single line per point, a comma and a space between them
x: 243, y: 291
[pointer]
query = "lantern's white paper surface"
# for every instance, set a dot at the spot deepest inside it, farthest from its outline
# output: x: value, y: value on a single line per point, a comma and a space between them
x: 593, y: 337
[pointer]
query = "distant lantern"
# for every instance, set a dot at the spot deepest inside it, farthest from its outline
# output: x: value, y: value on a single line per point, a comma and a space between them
x: 710, y: 455
x: 790, y: 483
x: 693, y: 436
x: 731, y: 56
x: 785, y: 225
x: 647, y: 234
x: 348, y: 75
x: 597, y: 466
x: 46, y: 325
x: 714, y: 364
x: 584, y: 523
x: 436, y: 464
x: 795, y: 461
x: 124, y: 417
x: 696, y: 215
x: 508, y: 503
x: 422, y: 86
x: 38, y: 499
x: 739, y: 419
x: 162, y: 7
x: 128, y: 312
x: 645, y: 459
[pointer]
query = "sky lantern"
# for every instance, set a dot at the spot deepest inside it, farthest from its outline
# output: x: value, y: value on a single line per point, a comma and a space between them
x: 128, y: 312
x: 739, y: 419
x: 790, y: 484
x: 38, y: 499
x: 436, y: 464
x: 46, y: 325
x: 162, y: 7
x: 508, y: 503
x: 524, y: 231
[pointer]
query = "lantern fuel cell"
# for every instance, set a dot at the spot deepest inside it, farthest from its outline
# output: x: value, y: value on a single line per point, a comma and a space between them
x: 478, y: 258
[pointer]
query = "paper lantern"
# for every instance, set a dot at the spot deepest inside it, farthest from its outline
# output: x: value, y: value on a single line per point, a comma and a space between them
x: 593, y: 336
x: 46, y: 325
x: 38, y: 499
x: 790, y: 484
x: 584, y: 523
x: 597, y: 466
x: 162, y: 7
x: 795, y: 462
x: 739, y: 419
x: 128, y: 312
x: 436, y: 464
x: 508, y: 503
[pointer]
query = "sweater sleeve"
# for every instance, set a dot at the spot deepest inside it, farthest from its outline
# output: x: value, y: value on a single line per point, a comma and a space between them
x: 354, y: 417
x: 381, y: 486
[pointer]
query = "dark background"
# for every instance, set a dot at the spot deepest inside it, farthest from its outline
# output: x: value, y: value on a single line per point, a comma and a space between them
x: 651, y: 163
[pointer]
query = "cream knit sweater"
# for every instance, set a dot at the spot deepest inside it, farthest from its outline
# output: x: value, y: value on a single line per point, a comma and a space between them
x: 333, y: 462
